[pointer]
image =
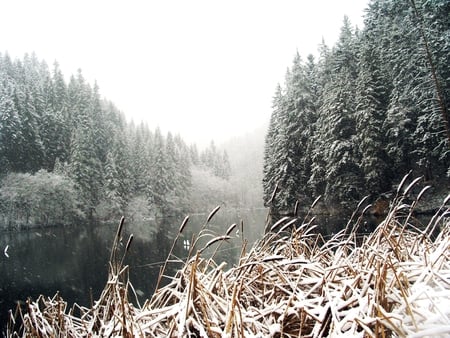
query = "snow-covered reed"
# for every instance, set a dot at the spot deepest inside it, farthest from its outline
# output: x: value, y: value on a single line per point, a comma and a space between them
x: 292, y: 283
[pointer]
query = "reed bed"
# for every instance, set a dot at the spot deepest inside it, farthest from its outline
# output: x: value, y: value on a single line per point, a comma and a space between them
x: 394, y: 282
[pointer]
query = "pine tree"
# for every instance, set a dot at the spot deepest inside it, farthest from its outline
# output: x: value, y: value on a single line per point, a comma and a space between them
x: 141, y: 158
x: 183, y: 167
x: 432, y: 27
x: 112, y: 186
x: 224, y: 169
x: 160, y: 180
x: 343, y: 174
x: 171, y: 173
x: 50, y: 121
x: 85, y: 168
x: 299, y: 121
x: 78, y: 100
x: 117, y: 182
x: 102, y: 142
x: 274, y: 151
x: 62, y: 118
x: 414, y: 127
x: 85, y: 165
x: 208, y: 156
x: 30, y: 148
x: 317, y: 144
x: 372, y: 100
x: 193, y: 154
x: 178, y: 175
x: 10, y: 130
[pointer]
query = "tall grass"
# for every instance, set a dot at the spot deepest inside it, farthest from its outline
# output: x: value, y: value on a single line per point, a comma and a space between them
x: 394, y: 282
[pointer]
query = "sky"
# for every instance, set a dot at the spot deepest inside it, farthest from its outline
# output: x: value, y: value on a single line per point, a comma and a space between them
x: 204, y: 69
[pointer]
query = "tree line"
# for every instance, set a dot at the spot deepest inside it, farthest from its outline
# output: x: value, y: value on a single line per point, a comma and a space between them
x: 367, y: 111
x: 67, y: 154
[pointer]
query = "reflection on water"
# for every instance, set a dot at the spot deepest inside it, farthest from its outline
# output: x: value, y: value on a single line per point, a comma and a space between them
x: 51, y: 260
x: 74, y: 261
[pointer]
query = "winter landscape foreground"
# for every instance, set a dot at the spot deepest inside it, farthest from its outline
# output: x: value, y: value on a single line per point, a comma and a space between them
x: 291, y: 283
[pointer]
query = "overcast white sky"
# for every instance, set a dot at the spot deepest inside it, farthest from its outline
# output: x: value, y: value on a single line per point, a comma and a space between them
x: 205, y: 69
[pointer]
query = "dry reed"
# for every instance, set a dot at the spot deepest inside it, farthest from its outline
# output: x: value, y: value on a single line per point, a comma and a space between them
x: 395, y: 282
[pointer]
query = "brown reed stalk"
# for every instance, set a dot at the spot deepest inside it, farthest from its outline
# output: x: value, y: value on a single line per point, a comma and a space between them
x: 293, y: 284
x: 161, y: 271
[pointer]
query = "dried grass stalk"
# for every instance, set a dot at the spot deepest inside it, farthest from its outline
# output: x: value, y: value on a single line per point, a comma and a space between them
x: 396, y: 282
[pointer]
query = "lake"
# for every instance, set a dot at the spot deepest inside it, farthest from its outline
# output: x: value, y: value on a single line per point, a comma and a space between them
x: 74, y: 260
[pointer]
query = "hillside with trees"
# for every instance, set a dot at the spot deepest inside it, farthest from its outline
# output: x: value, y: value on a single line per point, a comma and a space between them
x: 354, y: 121
x: 67, y: 155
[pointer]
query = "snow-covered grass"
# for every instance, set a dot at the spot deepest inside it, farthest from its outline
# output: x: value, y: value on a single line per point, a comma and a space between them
x: 393, y: 282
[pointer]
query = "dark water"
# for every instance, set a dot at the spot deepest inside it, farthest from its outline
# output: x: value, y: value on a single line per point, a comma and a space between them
x: 74, y: 260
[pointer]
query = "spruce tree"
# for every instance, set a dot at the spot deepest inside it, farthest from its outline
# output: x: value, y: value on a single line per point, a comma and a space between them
x: 372, y: 94
x: 317, y: 144
x: 59, y: 104
x: 274, y: 152
x: 85, y: 168
x: 10, y: 131
x: 117, y: 181
x: 193, y: 154
x: 432, y: 27
x: 343, y: 174
x: 85, y: 165
x: 183, y: 167
x: 30, y: 148
x: 160, y: 179
x: 141, y: 157
x: 50, y: 122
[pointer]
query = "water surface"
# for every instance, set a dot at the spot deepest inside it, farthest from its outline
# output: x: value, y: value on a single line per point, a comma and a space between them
x: 74, y: 260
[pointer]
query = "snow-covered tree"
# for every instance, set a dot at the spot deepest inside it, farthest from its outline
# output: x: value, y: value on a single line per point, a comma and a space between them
x: 372, y: 95
x: 338, y: 129
x: 10, y: 130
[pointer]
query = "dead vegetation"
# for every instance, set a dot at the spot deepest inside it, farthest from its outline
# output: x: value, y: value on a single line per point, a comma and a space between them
x: 394, y: 282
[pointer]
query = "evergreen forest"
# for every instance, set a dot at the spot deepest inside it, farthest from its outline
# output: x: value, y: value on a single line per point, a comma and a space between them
x: 364, y: 113
x: 67, y: 155
x: 345, y: 124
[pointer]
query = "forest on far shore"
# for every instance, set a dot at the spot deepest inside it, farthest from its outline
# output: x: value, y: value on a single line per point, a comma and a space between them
x: 369, y: 110
x: 347, y: 124
x: 69, y: 156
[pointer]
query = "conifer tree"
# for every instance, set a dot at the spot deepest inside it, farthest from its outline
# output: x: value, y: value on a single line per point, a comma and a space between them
x: 317, y: 144
x: 299, y: 121
x: 85, y: 165
x: 343, y: 175
x: 372, y: 94
x: 171, y: 173
x: 10, y: 131
x: 85, y: 168
x: 99, y: 125
x: 30, y: 149
x: 141, y: 157
x: 224, y: 169
x: 50, y: 122
x: 274, y: 151
x: 193, y: 154
x: 183, y: 167
x: 59, y: 104
x: 117, y: 184
x: 160, y: 179
x: 431, y: 24
x: 112, y: 186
